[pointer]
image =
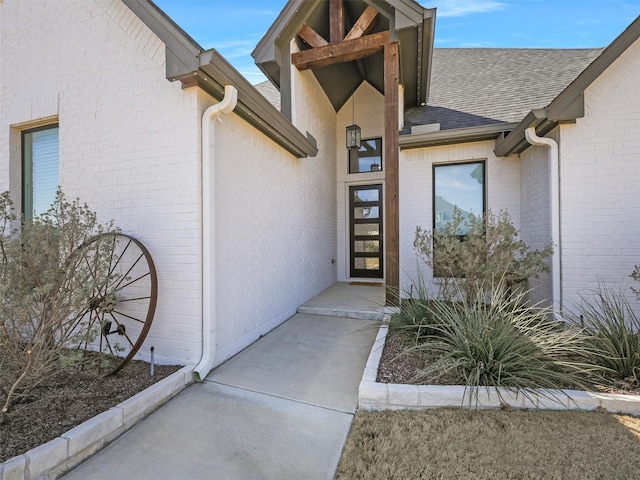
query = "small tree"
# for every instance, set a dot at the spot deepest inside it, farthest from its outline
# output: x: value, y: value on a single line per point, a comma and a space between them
x: 475, y: 250
x: 45, y: 285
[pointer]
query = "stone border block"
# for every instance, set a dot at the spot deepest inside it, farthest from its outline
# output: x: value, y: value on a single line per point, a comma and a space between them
x: 14, y: 468
x: 41, y: 458
x: 389, y: 396
x: 437, y: 396
x: 143, y: 403
x: 58, y: 456
x: 93, y: 430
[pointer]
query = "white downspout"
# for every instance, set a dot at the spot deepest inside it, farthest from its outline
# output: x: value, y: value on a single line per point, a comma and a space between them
x: 534, y: 139
x: 225, y: 106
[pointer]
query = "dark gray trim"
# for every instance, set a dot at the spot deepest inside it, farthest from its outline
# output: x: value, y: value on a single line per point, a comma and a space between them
x: 569, y: 104
x: 187, y: 61
x: 182, y: 50
x: 253, y: 106
x: 458, y: 135
x: 281, y: 31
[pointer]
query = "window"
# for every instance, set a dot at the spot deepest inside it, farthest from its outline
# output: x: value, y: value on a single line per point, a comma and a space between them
x: 368, y: 158
x: 458, y: 185
x: 455, y: 186
x: 40, y: 179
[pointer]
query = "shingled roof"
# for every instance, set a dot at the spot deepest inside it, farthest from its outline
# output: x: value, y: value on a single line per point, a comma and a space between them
x: 482, y: 86
x: 472, y: 87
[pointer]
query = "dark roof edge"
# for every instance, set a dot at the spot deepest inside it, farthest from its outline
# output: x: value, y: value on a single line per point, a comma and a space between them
x: 456, y: 135
x: 569, y: 104
x: 427, y: 62
x: 408, y: 14
x: 186, y: 60
x: 253, y: 106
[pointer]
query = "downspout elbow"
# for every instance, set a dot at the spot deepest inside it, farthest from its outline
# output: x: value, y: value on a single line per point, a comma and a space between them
x: 554, y: 165
x: 224, y: 107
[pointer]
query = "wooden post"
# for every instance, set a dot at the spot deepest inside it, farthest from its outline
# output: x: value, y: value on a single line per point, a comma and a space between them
x: 336, y: 21
x: 391, y: 154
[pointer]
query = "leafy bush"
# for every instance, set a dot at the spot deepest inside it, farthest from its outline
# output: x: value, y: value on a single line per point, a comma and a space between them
x: 487, y: 252
x: 612, y: 329
x: 503, y: 343
x: 45, y: 285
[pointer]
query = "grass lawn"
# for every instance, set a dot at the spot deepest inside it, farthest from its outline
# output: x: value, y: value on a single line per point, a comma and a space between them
x: 462, y: 444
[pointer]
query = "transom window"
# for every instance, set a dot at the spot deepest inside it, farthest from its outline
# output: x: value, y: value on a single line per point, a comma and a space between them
x: 40, y: 170
x: 368, y: 158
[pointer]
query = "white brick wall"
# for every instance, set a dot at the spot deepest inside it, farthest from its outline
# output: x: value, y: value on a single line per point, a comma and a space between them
x: 276, y: 231
x: 128, y: 137
x: 416, y: 196
x: 600, y: 181
x: 535, y: 215
x: 369, y: 115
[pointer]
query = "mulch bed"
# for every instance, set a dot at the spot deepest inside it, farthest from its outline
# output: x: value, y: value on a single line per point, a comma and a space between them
x: 67, y: 400
x: 399, y: 366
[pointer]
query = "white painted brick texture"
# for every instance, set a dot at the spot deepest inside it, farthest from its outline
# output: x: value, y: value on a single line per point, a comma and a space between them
x: 128, y: 137
x: 276, y: 231
x: 535, y: 215
x: 416, y: 195
x: 369, y: 115
x: 600, y: 182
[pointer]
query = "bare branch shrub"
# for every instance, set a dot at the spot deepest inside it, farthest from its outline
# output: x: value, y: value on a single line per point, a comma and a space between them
x: 475, y: 250
x: 45, y: 288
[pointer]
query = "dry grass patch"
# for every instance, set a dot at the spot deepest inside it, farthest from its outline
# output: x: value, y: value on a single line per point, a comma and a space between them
x: 454, y: 443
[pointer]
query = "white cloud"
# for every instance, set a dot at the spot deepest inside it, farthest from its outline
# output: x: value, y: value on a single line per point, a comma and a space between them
x: 460, y: 8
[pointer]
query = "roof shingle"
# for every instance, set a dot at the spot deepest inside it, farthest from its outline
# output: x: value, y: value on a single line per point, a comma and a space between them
x: 482, y: 86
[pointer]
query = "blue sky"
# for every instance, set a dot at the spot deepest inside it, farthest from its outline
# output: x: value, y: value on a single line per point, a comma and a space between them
x: 234, y: 27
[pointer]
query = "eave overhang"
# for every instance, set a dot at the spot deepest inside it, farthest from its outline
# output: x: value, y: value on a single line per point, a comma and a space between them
x: 458, y: 135
x: 409, y: 23
x: 188, y: 62
x: 568, y: 106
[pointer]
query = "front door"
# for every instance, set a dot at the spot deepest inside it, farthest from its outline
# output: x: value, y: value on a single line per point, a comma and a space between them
x: 366, y: 235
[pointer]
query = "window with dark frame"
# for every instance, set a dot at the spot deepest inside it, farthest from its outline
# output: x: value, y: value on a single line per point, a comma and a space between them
x: 458, y: 186
x: 368, y: 158
x: 40, y: 169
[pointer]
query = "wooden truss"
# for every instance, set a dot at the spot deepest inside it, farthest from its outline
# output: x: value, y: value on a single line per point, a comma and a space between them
x: 359, y: 43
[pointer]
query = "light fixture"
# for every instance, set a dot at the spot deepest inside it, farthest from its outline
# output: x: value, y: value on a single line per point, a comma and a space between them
x: 353, y: 137
x: 353, y: 131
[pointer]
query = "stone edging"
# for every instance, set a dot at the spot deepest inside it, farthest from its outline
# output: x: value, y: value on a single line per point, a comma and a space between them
x: 51, y: 460
x: 390, y: 396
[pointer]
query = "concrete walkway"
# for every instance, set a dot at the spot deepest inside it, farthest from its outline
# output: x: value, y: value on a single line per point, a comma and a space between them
x: 281, y: 409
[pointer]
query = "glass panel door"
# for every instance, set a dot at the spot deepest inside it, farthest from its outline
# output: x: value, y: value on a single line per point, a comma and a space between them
x: 366, y: 234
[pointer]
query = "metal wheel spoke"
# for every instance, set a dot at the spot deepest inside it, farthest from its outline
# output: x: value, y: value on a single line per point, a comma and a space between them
x: 104, y: 264
x: 132, y: 281
x: 129, y: 316
x: 123, y: 277
x: 133, y: 299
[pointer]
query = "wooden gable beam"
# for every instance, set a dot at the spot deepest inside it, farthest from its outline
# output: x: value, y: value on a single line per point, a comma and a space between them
x: 364, y: 25
x: 311, y: 37
x: 336, y: 21
x: 342, y: 52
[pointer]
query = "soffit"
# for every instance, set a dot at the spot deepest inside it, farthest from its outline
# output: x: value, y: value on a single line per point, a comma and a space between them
x: 406, y: 20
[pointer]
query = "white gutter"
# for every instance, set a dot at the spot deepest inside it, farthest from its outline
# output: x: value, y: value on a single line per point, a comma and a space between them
x: 224, y: 107
x: 554, y: 182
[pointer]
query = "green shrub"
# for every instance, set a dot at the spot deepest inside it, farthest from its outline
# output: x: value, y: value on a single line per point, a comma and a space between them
x: 501, y: 342
x: 611, y: 328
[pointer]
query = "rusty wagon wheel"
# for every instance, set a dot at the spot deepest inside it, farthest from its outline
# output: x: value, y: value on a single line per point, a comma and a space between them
x: 120, y: 285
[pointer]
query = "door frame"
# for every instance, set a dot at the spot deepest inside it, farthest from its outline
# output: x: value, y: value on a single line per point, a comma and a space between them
x: 375, y: 275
